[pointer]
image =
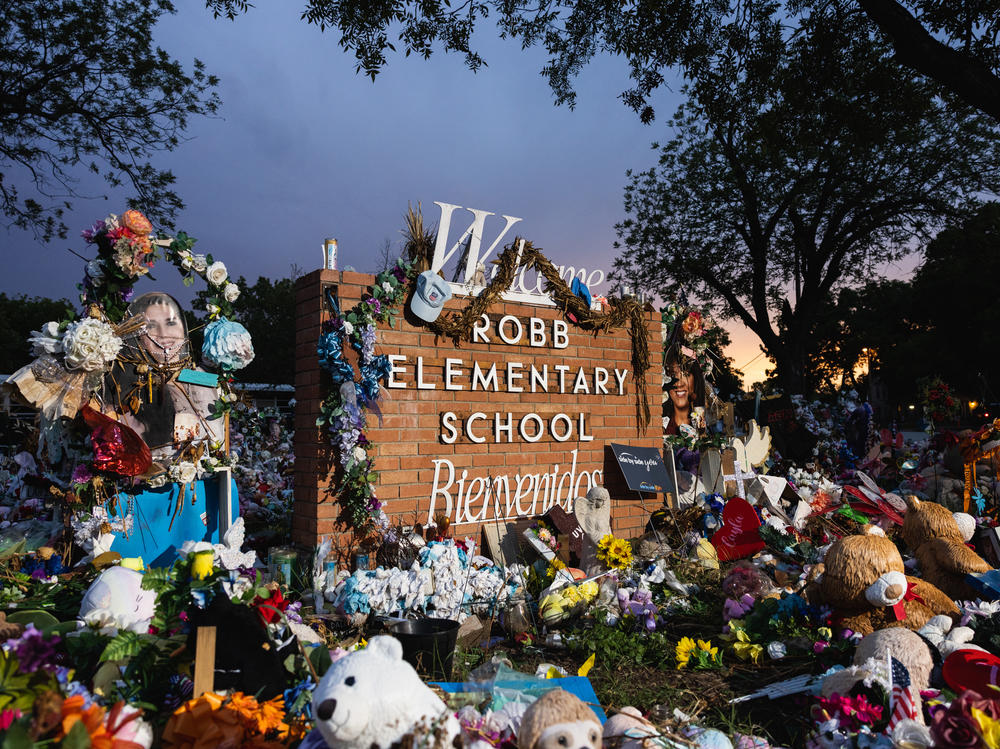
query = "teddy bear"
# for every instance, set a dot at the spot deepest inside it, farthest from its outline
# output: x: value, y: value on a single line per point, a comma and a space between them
x: 373, y: 698
x: 937, y: 541
x: 117, y: 600
x: 871, y: 657
x: 863, y: 580
x: 559, y: 720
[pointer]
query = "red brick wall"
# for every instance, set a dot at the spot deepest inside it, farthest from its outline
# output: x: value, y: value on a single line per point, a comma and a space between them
x: 410, y: 436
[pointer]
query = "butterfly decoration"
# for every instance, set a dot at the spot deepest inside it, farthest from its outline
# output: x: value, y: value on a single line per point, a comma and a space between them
x: 980, y: 502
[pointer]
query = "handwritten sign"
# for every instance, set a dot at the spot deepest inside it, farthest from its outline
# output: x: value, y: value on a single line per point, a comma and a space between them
x: 643, y: 468
x: 739, y: 535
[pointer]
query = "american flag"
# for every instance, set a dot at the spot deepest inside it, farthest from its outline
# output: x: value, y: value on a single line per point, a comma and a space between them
x: 901, y: 705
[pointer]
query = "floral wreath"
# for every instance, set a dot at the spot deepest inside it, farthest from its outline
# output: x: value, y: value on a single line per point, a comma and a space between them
x: 74, y: 356
x: 685, y: 327
x: 342, y: 412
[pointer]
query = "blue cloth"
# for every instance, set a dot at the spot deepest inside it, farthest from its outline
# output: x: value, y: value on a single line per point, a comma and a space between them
x: 576, y: 685
x: 580, y: 289
x: 153, y: 510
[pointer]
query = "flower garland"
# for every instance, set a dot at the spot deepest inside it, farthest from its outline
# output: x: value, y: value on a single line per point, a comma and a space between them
x: 688, y: 327
x: 342, y: 412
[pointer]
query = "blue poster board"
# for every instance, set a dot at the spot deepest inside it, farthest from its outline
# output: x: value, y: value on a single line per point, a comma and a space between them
x: 152, y: 536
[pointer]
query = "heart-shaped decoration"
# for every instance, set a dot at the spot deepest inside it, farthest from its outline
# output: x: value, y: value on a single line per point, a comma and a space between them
x: 972, y: 669
x: 739, y: 535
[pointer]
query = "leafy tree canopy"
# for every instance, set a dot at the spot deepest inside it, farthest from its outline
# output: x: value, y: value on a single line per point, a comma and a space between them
x: 19, y: 315
x: 804, y: 160
x: 953, y: 43
x: 81, y: 87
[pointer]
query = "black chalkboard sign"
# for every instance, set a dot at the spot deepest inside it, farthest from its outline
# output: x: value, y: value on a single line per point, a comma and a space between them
x: 643, y: 468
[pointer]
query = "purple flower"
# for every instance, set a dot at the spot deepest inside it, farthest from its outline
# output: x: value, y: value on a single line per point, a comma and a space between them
x: 399, y: 274
x: 33, y: 651
x: 127, y: 293
x: 81, y: 474
x: 97, y: 228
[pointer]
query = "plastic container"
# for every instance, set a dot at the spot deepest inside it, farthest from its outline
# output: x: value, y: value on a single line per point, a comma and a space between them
x: 428, y: 645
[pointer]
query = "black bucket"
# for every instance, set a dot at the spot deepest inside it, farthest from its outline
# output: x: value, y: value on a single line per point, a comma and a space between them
x: 428, y: 645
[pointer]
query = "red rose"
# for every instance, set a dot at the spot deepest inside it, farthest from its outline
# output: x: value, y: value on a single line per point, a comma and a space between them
x: 270, y: 608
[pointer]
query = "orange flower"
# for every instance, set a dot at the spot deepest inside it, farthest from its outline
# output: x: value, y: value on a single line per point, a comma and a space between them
x: 238, y: 720
x: 136, y: 222
x: 73, y: 712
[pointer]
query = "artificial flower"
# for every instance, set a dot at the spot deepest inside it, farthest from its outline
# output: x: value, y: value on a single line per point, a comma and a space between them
x: 954, y: 728
x: 183, y: 472
x: 683, y: 651
x: 745, y: 649
x: 90, y: 345
x: 988, y: 727
x: 231, y: 292
x: 46, y: 340
x: 227, y: 344
x: 216, y: 274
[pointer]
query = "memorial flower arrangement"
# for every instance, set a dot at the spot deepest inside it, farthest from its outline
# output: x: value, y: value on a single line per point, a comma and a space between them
x: 686, y: 327
x: 343, y: 411
x: 697, y: 654
x: 614, y: 553
x: 78, y: 360
x: 939, y: 403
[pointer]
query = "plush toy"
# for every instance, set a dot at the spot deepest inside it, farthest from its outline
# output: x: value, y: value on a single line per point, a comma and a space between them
x: 627, y: 729
x: 373, y: 698
x: 871, y: 657
x: 559, y: 720
x: 863, y: 581
x: 938, y: 543
x: 116, y: 599
x: 946, y: 637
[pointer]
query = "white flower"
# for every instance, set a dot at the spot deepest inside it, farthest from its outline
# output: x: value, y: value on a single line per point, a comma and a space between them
x: 216, y: 273
x: 387, y: 287
x: 187, y: 262
x: 359, y: 454
x: 46, y: 341
x: 90, y: 345
x: 200, y: 263
x: 348, y: 328
x: 231, y: 292
x: 184, y: 472
x: 212, y: 309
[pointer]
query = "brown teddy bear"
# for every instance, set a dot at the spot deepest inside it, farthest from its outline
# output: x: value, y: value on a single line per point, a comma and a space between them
x: 559, y: 720
x: 863, y: 580
x: 937, y: 541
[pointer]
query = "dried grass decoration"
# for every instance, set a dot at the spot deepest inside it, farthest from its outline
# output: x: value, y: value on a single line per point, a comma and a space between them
x: 624, y: 311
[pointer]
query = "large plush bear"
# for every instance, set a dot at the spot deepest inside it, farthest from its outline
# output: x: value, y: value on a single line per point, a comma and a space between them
x: 938, y: 543
x: 863, y: 581
x: 373, y: 698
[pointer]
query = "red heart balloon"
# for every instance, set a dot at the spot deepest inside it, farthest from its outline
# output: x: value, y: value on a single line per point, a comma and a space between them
x: 117, y: 448
x: 739, y: 535
x: 972, y: 669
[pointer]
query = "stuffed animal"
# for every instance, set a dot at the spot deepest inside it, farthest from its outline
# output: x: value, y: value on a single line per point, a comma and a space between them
x: 373, y: 698
x: 871, y: 656
x: 559, y: 720
x: 116, y: 599
x: 627, y: 729
x: 938, y: 543
x: 863, y: 581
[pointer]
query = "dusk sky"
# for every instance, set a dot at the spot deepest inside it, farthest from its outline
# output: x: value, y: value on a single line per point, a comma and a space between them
x: 304, y: 149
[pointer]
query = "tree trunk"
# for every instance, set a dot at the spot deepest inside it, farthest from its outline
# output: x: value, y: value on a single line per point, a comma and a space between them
x: 790, y: 362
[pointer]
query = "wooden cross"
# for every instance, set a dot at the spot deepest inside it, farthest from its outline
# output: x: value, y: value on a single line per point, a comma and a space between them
x: 733, y: 476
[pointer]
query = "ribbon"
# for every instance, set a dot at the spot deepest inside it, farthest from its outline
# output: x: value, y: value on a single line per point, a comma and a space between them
x: 331, y: 356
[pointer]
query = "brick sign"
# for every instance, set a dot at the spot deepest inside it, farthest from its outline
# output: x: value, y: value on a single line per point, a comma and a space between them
x: 509, y: 424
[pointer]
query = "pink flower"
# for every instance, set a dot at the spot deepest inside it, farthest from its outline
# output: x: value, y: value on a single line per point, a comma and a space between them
x: 7, y: 718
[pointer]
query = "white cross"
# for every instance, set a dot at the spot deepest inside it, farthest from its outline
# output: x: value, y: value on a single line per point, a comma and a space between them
x: 738, y: 477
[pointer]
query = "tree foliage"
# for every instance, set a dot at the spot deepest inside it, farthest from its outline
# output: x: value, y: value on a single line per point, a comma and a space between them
x: 804, y: 160
x: 953, y: 43
x: 82, y: 88
x: 19, y: 315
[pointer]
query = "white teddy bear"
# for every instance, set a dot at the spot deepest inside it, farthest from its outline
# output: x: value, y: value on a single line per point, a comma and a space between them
x: 116, y: 600
x: 372, y: 697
